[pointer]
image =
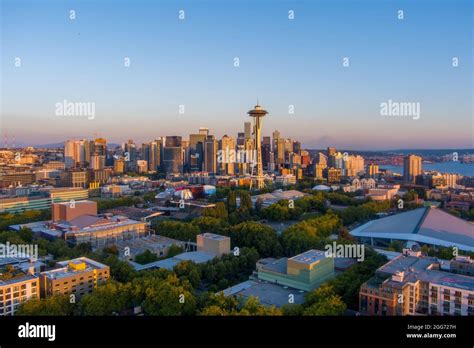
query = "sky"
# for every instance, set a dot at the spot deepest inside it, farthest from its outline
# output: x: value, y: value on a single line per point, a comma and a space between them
x: 284, y: 63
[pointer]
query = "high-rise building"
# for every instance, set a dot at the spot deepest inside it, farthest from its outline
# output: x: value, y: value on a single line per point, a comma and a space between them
x: 196, y: 151
x: 336, y: 160
x: 172, y: 159
x: 151, y: 153
x: 297, y: 147
x: 119, y: 165
x: 173, y: 141
x: 353, y: 165
x: 333, y: 174
x: 142, y: 166
x: 318, y: 170
x: 210, y: 154
x: 204, y: 131
x: 74, y: 178
x: 373, y: 170
x: 227, y: 155
x: 331, y: 151
x: 411, y: 167
x: 451, y: 179
x: 130, y: 150
x: 97, y: 161
x: 276, y: 136
x: 322, y: 159
x: 247, y: 130
x: 100, y: 147
x: 76, y: 153
x: 266, y: 151
x: 240, y: 139
x: 280, y: 151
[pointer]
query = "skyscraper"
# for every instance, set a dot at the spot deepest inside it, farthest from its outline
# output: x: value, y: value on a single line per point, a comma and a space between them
x: 280, y: 151
x: 266, y: 151
x: 276, y: 136
x: 210, y: 154
x: 411, y: 167
x: 151, y: 153
x: 76, y: 153
x: 173, y: 155
x: 204, y: 131
x: 172, y: 160
x: 248, y: 130
x: 196, y: 151
x: 173, y: 141
x: 258, y: 113
x: 227, y: 148
x: 373, y: 170
x: 240, y: 139
x: 331, y: 151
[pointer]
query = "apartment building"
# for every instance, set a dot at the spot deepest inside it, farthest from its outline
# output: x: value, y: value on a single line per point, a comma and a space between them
x: 413, y: 284
x: 78, y: 276
x: 16, y: 286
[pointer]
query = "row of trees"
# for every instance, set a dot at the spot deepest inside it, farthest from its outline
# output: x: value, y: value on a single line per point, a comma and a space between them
x: 7, y: 219
x: 300, y: 237
x: 162, y: 292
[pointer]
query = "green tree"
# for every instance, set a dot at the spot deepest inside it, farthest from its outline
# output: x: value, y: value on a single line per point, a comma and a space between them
x: 58, y: 305
x: 104, y: 300
x: 309, y: 234
x: 119, y: 270
x: 324, y: 301
x: 231, y: 201
x: 171, y: 297
x: 218, y: 212
x: 254, y: 234
x: 245, y: 201
x: 177, y: 230
x: 210, y: 224
x: 174, y: 250
x: 253, y: 307
x: 190, y: 271
x: 146, y: 257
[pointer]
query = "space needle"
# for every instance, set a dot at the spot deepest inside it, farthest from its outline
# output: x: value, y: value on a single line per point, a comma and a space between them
x: 258, y: 113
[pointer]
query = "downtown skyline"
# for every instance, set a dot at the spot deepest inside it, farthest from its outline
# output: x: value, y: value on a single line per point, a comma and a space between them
x: 286, y: 63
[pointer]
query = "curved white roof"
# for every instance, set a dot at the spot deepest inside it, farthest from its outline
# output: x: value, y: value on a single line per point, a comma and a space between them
x: 321, y: 188
x: 425, y: 225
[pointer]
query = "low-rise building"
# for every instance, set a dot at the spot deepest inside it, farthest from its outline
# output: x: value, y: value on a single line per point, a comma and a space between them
x: 278, y: 282
x: 78, y: 276
x: 213, y: 243
x: 305, y: 271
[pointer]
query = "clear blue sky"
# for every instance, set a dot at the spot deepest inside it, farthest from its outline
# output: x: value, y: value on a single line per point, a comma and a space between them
x: 282, y: 62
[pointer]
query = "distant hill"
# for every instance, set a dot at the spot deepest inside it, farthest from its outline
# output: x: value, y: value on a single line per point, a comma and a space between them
x: 61, y: 145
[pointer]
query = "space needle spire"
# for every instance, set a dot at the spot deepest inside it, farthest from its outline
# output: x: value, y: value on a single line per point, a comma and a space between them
x: 258, y: 113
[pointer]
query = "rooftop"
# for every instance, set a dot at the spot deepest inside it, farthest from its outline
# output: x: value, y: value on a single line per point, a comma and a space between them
x: 214, y: 236
x: 74, y: 266
x: 269, y: 294
x: 134, y: 213
x: 427, y: 225
x: 426, y: 269
x: 309, y: 257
